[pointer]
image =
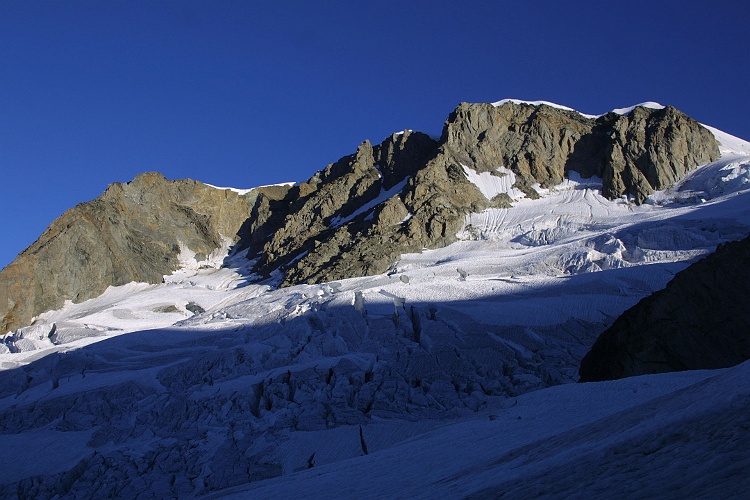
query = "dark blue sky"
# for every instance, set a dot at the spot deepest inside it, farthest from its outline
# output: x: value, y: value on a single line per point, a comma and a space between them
x: 241, y: 94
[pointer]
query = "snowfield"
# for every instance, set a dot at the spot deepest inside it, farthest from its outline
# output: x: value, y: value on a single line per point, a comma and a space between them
x: 452, y: 375
x: 682, y: 435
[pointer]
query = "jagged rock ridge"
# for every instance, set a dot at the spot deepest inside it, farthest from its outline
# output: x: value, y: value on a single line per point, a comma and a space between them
x: 317, y: 237
x: 324, y: 230
x: 699, y: 321
x: 358, y: 215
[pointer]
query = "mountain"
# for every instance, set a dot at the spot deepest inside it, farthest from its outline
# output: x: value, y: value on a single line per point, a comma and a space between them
x: 438, y: 360
x: 359, y: 214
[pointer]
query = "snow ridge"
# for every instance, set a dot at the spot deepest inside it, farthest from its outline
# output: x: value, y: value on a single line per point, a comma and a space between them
x: 246, y: 191
x: 619, y: 111
x: 629, y: 109
x: 539, y: 103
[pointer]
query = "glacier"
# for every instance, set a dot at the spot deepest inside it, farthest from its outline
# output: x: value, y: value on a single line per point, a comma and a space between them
x: 464, y: 386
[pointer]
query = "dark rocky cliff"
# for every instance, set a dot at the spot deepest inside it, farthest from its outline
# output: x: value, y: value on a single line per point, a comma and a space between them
x: 700, y: 320
x: 359, y: 214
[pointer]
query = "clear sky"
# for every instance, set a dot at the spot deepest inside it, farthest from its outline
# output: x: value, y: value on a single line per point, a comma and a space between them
x: 242, y: 93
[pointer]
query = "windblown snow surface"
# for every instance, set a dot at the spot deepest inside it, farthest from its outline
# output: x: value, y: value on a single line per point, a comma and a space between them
x: 453, y: 375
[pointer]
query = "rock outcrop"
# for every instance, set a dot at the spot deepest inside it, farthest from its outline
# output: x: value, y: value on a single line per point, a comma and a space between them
x: 635, y: 154
x: 651, y: 150
x: 699, y: 321
x: 535, y: 142
x: 132, y: 232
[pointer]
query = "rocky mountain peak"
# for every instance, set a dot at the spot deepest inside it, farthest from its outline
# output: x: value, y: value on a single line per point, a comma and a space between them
x: 650, y: 149
x: 636, y: 153
x: 339, y: 208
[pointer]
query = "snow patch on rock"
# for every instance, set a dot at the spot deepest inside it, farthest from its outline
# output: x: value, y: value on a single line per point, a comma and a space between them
x: 491, y: 184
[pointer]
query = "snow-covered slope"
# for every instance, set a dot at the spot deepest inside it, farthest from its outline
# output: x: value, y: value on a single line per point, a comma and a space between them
x: 682, y: 435
x: 450, y: 375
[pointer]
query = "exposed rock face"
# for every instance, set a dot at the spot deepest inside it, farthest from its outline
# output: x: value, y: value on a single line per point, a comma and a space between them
x: 361, y: 213
x: 652, y: 149
x: 635, y: 154
x: 133, y: 232
x: 699, y: 321
x: 535, y: 142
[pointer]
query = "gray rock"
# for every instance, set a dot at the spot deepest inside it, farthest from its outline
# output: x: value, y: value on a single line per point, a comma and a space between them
x: 699, y: 321
x: 340, y: 223
x: 320, y: 232
x: 535, y: 142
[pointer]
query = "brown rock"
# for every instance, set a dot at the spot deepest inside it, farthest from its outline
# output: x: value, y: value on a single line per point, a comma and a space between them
x: 635, y: 154
x: 652, y: 149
